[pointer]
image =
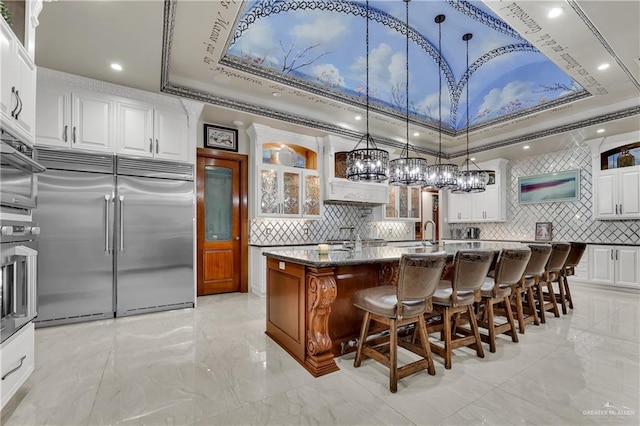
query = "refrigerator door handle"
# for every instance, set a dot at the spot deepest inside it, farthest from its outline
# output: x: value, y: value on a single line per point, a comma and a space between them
x: 121, y: 222
x: 106, y: 223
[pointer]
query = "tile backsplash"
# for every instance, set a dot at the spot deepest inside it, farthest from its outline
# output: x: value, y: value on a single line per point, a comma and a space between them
x: 267, y: 231
x: 571, y: 221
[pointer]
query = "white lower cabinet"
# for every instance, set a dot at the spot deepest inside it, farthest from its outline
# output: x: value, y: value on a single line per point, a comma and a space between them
x: 17, y: 361
x: 614, y: 265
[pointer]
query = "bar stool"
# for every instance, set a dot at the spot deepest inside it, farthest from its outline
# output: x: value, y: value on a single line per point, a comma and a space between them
x: 497, y: 290
x: 397, y: 306
x: 533, y: 272
x: 547, y: 300
x: 573, y: 259
x: 457, y: 297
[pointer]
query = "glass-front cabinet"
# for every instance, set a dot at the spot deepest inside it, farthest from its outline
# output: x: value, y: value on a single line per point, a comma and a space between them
x: 403, y: 203
x: 288, y: 182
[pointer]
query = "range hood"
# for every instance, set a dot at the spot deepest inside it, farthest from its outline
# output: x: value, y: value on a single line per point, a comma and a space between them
x: 338, y: 189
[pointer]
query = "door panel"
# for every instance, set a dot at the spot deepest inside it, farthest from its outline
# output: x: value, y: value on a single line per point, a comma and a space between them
x: 219, y: 227
x: 75, y: 263
x: 154, y: 251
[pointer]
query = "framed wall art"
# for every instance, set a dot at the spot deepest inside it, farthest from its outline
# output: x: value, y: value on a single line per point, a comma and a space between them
x: 217, y: 137
x: 550, y: 187
x: 543, y: 231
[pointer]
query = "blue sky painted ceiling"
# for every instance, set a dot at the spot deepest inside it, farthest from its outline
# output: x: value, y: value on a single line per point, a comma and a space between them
x: 320, y: 45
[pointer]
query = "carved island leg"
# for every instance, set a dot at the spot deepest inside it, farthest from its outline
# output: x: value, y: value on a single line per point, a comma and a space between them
x: 321, y: 293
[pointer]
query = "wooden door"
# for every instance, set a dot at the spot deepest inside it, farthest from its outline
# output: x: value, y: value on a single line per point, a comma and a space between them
x: 221, y: 222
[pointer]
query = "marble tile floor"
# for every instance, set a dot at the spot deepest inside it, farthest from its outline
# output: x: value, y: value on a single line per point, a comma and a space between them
x: 214, y: 365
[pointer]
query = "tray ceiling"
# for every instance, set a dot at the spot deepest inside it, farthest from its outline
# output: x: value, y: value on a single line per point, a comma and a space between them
x: 531, y: 78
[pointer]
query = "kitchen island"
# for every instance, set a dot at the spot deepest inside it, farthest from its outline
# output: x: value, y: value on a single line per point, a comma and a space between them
x: 309, y: 297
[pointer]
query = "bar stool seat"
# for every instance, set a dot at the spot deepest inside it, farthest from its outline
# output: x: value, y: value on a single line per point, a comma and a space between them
x: 453, y: 302
x: 568, y: 269
x: 496, y: 292
x: 547, y: 300
x: 527, y: 314
x: 383, y: 300
x: 487, y: 289
x: 399, y: 306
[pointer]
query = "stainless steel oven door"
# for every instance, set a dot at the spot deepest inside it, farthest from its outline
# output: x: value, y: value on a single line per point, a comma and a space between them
x: 18, y: 174
x: 18, y: 298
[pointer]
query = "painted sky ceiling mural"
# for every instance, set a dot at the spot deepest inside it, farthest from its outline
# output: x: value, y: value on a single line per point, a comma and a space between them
x: 320, y: 46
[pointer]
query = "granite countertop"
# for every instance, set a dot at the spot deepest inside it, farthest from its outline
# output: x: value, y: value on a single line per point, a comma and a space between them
x: 338, y: 257
x: 597, y: 243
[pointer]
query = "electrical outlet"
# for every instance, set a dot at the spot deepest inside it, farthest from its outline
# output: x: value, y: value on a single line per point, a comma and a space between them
x: 267, y: 231
x: 305, y: 230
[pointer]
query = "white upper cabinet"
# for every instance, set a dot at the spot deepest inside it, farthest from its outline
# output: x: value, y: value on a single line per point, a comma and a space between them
x: 618, y: 193
x: 287, y: 182
x: 74, y: 119
x: 487, y: 206
x: 17, y: 86
x: 78, y: 113
x: 616, y: 186
x: 145, y: 131
x: 403, y: 203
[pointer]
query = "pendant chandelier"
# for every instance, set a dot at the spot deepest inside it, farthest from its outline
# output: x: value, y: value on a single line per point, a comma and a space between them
x: 470, y: 179
x: 439, y: 175
x: 407, y: 171
x: 368, y: 164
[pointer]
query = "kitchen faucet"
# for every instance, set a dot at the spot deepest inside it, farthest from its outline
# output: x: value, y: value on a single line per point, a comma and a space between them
x: 351, y: 244
x: 424, y: 232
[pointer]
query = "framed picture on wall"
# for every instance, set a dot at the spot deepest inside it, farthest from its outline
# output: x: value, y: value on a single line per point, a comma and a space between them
x: 543, y: 231
x: 550, y: 187
x: 217, y: 137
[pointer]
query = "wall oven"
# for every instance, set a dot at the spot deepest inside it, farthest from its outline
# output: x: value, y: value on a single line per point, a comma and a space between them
x: 19, y: 262
x: 18, y: 173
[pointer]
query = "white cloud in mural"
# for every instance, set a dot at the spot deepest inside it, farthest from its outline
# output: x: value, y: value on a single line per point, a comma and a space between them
x: 386, y: 68
x: 507, y: 97
x: 324, y: 30
x: 429, y: 106
x: 258, y: 42
x: 328, y: 75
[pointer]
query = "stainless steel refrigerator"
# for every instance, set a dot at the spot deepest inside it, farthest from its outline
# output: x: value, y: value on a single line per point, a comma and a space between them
x: 116, y: 236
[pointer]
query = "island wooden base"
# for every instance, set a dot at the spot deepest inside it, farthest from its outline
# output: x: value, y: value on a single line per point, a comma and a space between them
x: 310, y: 310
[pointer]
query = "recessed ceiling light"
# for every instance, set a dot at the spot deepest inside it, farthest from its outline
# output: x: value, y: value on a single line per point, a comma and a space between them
x: 555, y: 12
x: 473, y: 158
x: 416, y: 134
x: 358, y: 117
x: 276, y: 94
x: 603, y: 66
x: 526, y: 147
x: 238, y: 123
x: 116, y: 66
x: 600, y: 131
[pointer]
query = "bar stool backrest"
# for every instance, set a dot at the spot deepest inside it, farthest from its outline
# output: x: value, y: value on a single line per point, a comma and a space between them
x: 419, y: 275
x: 470, y: 269
x: 559, y: 253
x: 511, y: 265
x: 575, y: 255
x: 539, y: 256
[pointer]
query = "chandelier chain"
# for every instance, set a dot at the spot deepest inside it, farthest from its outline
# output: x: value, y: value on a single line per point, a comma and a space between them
x: 406, y: 3
x: 439, y: 92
